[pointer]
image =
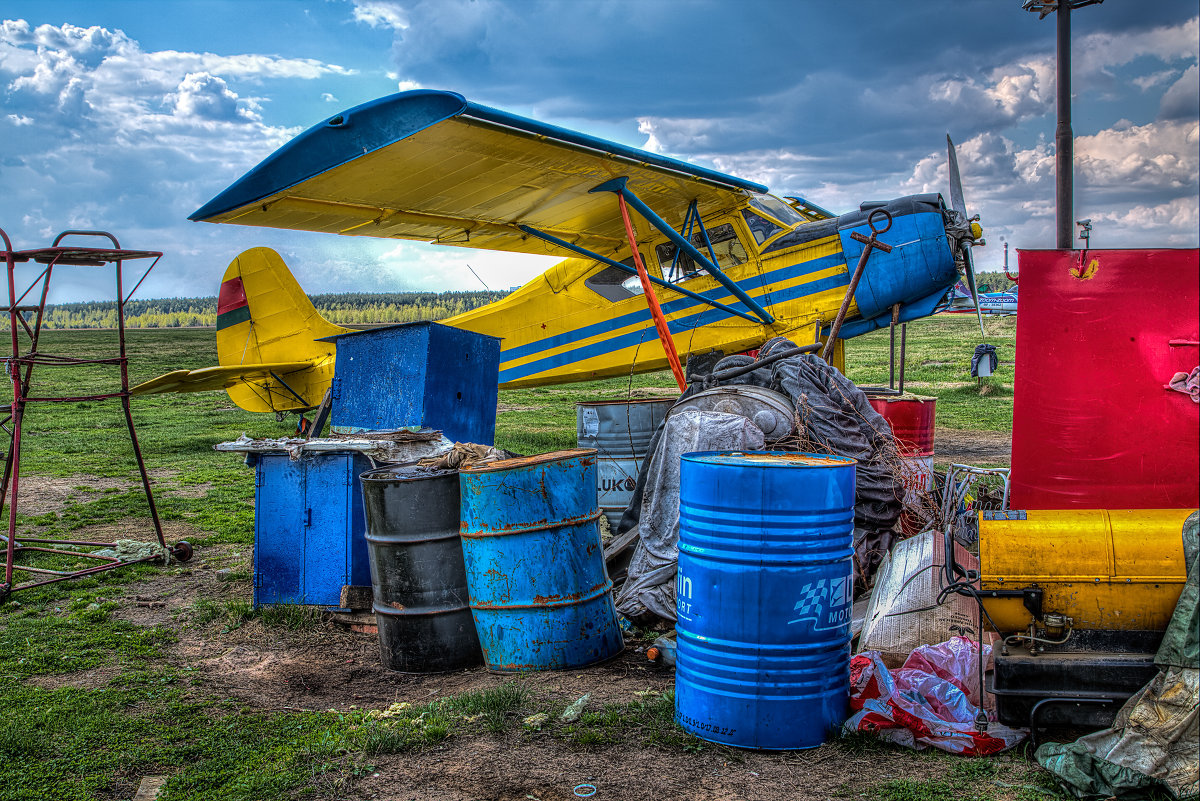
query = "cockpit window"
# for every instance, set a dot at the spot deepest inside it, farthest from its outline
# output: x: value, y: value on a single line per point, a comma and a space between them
x: 774, y: 207
x: 762, y: 227
x: 613, y: 283
x: 726, y: 246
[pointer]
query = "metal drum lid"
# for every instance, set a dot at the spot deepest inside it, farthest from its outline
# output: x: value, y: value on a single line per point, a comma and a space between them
x: 772, y: 412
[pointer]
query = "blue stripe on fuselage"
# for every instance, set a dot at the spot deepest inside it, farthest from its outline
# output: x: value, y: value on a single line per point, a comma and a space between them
x: 642, y: 315
x: 632, y: 338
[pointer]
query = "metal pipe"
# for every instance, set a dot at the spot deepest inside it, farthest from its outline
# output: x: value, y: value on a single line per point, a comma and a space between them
x: 733, y: 372
x: 871, y: 244
x: 587, y: 254
x: 1063, y: 136
x: 618, y: 186
x: 660, y: 321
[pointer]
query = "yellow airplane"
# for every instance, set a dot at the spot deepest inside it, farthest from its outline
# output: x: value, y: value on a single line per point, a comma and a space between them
x: 732, y: 264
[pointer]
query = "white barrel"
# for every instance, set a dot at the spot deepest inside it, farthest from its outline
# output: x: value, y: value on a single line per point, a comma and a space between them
x: 620, y: 431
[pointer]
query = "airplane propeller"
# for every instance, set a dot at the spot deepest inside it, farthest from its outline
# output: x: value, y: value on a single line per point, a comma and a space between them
x: 958, y: 204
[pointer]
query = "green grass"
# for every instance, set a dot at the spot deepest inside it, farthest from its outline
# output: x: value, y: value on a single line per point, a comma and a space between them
x: 938, y: 364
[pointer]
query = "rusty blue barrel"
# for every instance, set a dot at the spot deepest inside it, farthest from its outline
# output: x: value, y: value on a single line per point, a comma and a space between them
x: 539, y: 592
x: 417, y: 573
x: 763, y: 596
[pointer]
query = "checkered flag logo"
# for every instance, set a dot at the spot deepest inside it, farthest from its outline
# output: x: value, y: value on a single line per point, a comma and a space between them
x: 825, y: 604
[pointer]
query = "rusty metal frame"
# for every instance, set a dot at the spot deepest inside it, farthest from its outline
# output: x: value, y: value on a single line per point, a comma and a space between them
x: 19, y: 368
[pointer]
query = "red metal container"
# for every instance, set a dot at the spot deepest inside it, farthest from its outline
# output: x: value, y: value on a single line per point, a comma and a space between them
x: 1100, y: 335
x: 911, y: 418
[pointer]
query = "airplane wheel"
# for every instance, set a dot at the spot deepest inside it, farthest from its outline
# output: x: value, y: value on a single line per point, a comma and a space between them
x: 182, y: 551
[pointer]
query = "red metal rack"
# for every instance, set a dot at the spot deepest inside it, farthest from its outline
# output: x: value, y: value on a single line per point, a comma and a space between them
x: 27, y: 318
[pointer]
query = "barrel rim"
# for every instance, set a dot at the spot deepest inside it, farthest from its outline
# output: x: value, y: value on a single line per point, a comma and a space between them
x: 625, y: 402
x: 425, y: 475
x: 536, y: 460
x: 830, y: 460
x: 907, y: 397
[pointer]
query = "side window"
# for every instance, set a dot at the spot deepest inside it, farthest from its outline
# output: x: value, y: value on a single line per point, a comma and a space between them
x: 613, y: 283
x: 762, y: 228
x: 726, y: 246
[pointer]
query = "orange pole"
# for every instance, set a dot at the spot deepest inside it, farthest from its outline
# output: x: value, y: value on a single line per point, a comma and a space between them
x: 660, y: 322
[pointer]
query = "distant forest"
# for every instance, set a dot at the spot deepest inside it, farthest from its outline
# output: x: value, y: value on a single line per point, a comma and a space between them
x: 996, y: 281
x: 343, y: 308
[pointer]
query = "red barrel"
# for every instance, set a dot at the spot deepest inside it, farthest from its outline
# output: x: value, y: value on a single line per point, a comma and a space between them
x: 911, y: 418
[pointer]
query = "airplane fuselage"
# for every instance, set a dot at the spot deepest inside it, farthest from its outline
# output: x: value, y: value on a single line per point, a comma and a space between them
x: 582, y: 320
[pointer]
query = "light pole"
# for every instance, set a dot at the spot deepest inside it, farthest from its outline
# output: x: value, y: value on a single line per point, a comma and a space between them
x: 1063, y: 136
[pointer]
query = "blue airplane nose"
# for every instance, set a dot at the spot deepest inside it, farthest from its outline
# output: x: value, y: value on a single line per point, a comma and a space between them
x: 916, y: 274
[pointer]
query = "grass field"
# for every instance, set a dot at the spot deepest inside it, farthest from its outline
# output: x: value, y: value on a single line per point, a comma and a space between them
x: 132, y: 673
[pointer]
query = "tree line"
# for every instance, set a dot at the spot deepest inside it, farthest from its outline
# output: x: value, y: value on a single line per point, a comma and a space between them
x: 343, y: 308
x: 994, y: 281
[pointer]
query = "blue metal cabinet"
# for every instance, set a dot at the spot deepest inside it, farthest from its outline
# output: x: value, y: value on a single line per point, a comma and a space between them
x: 417, y: 374
x: 308, y: 528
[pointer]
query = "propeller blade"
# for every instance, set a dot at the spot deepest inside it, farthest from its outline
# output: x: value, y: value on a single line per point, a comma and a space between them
x: 959, y: 204
x: 956, y: 193
x: 973, y: 286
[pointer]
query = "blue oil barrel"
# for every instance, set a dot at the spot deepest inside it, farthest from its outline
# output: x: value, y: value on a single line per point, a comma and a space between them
x: 763, y: 595
x: 538, y: 589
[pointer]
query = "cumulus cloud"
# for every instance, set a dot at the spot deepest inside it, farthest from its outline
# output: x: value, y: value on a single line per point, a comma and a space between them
x: 1182, y: 100
x: 99, y: 133
x: 208, y: 97
x: 381, y: 15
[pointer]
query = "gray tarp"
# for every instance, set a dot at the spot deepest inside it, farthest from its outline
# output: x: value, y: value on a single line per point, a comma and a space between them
x: 837, y: 415
x: 1154, y: 743
x: 650, y: 585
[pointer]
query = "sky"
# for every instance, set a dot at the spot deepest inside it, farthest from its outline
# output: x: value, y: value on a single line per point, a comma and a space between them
x: 127, y: 116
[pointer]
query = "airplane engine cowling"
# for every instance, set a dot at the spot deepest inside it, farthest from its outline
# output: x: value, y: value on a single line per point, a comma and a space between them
x: 920, y: 264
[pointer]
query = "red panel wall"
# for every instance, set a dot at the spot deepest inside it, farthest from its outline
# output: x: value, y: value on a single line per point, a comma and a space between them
x: 1093, y: 426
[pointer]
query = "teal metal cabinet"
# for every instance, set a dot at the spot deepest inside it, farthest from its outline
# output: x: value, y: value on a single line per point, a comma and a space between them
x: 308, y: 527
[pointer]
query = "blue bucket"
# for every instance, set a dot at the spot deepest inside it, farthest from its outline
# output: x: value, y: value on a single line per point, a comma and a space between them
x: 539, y: 592
x: 764, y: 594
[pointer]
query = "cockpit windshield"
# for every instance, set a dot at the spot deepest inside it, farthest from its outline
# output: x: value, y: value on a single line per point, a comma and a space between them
x: 773, y: 206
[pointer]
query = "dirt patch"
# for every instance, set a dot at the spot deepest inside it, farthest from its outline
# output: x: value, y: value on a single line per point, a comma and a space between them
x: 325, y: 666
x: 331, y: 668
x: 41, y: 495
x: 189, y: 490
x: 972, y: 447
x: 516, y: 768
x: 137, y: 528
x: 93, y: 679
x: 509, y: 407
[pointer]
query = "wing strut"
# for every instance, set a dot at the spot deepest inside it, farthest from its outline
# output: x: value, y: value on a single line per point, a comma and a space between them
x: 660, y: 322
x: 614, y: 263
x: 617, y: 186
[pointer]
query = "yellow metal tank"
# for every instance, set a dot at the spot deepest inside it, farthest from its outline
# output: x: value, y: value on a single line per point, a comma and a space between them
x: 1117, y: 570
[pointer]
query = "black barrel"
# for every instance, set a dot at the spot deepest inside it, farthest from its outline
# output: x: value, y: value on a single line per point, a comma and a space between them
x: 417, y: 575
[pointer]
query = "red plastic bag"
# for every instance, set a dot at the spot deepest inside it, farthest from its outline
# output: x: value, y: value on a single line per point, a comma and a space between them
x: 927, y: 702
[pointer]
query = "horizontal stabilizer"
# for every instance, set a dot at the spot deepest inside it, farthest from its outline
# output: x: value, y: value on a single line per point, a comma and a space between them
x: 213, y: 378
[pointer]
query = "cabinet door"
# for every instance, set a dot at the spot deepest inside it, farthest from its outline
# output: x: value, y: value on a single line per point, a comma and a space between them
x: 328, y: 503
x: 279, y: 530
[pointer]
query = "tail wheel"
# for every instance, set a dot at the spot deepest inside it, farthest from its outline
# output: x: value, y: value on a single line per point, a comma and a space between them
x: 182, y: 551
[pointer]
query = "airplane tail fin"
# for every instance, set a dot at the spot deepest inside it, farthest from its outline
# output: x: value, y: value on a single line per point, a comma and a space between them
x: 264, y: 318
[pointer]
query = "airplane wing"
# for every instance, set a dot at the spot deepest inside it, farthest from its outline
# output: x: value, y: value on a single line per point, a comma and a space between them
x: 211, y: 378
x: 433, y: 166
